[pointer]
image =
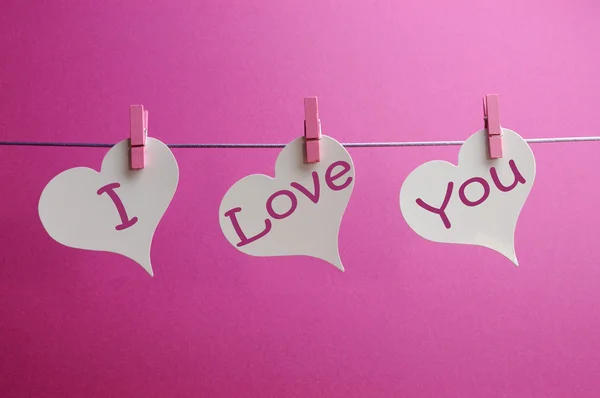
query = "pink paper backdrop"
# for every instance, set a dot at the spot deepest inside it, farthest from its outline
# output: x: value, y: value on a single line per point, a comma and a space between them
x: 409, y: 318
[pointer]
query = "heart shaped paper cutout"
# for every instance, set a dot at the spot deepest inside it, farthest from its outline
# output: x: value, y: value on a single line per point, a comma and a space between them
x: 477, y: 202
x: 298, y: 212
x: 115, y: 210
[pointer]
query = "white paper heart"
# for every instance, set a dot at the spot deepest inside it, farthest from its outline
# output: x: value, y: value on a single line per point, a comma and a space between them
x: 477, y: 202
x: 298, y: 212
x: 116, y: 210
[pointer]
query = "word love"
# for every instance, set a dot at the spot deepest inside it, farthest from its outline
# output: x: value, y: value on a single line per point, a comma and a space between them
x: 298, y: 212
x: 441, y: 211
x: 333, y: 180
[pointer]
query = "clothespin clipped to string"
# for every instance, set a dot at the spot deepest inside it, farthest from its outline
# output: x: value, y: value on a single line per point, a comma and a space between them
x: 138, y: 133
x: 312, y: 130
x: 491, y: 117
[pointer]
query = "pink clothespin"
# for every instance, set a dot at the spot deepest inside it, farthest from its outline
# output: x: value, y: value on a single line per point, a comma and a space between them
x: 491, y: 117
x: 138, y: 133
x: 312, y: 130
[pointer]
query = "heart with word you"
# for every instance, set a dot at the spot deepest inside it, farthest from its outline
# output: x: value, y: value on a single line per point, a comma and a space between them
x: 298, y: 212
x: 477, y: 202
x: 116, y: 210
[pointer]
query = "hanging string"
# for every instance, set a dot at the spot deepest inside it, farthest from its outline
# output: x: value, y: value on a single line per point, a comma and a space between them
x: 348, y: 144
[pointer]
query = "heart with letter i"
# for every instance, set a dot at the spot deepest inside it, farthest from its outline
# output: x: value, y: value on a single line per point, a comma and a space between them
x: 115, y: 210
x: 477, y: 202
x: 298, y: 212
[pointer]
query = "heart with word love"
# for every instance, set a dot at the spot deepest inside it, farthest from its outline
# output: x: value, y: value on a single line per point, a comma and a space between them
x: 477, y: 202
x: 116, y: 210
x: 298, y: 212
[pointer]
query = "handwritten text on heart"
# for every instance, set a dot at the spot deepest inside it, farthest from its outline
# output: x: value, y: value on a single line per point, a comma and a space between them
x: 296, y: 213
x: 477, y: 202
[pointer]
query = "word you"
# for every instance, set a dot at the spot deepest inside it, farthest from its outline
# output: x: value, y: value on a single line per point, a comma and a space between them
x: 441, y: 211
x: 331, y: 180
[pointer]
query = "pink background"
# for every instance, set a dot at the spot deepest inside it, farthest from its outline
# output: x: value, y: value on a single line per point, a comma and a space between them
x: 409, y: 318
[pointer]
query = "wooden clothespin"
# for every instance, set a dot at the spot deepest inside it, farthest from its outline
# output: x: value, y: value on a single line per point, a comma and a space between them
x: 312, y: 130
x: 138, y: 133
x: 491, y: 117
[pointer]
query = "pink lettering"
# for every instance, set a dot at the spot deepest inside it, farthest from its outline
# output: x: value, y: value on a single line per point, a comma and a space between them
x: 109, y: 189
x: 518, y: 177
x: 314, y: 197
x: 486, y: 191
x: 238, y: 229
x: 293, y: 204
x: 442, y: 210
x: 330, y: 179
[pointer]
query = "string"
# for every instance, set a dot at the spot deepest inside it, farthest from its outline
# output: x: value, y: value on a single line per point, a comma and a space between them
x: 347, y: 144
